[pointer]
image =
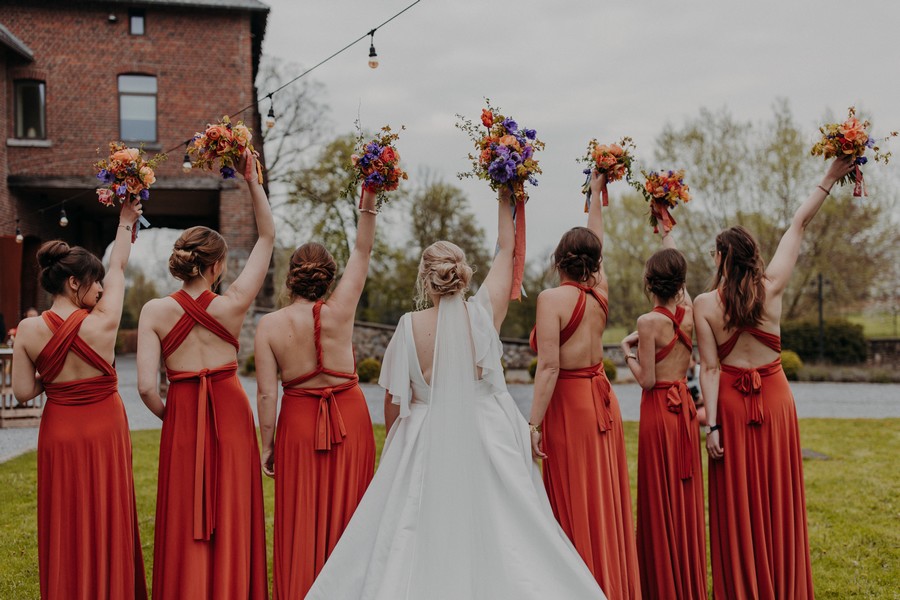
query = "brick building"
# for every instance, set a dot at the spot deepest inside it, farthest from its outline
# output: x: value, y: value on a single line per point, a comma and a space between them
x: 77, y: 74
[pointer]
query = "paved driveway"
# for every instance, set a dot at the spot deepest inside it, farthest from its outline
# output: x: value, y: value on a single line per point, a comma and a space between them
x: 814, y: 400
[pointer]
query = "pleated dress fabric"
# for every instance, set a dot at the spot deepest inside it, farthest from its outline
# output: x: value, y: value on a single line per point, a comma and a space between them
x: 757, y: 502
x: 586, y: 472
x: 671, y: 526
x: 210, y: 527
x: 89, y: 545
x: 324, y: 461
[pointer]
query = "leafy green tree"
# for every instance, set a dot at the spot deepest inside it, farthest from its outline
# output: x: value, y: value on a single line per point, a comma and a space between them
x: 139, y: 291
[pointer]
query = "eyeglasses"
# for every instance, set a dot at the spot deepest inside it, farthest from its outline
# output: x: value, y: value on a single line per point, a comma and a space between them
x: 712, y: 252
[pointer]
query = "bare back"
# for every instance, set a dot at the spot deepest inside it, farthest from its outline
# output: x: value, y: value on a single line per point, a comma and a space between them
x: 675, y: 364
x: 35, y: 334
x: 585, y: 347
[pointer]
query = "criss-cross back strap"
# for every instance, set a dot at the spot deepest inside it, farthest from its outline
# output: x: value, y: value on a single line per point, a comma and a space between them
x: 577, y: 314
x: 680, y: 335
x: 320, y: 358
x: 770, y: 340
x: 194, y: 314
x: 65, y: 338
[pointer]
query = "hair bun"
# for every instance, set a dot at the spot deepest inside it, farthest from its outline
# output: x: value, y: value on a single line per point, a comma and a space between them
x: 579, y: 254
x: 51, y: 253
x: 311, y: 272
x: 443, y: 271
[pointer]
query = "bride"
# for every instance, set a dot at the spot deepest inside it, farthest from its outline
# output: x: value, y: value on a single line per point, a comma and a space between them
x: 457, y: 509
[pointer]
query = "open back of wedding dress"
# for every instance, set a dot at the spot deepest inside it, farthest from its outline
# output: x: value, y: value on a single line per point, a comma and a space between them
x: 457, y: 509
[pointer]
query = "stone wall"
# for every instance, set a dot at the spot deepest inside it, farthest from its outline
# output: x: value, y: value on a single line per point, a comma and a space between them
x: 884, y: 353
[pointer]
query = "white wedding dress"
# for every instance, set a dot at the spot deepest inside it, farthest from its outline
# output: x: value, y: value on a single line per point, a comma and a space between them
x: 457, y: 509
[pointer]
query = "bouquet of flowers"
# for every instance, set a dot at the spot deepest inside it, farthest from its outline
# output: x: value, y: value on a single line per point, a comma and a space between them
x: 505, y: 159
x: 663, y: 190
x: 850, y: 138
x: 126, y: 175
x: 613, y: 160
x: 377, y: 164
x: 224, y: 142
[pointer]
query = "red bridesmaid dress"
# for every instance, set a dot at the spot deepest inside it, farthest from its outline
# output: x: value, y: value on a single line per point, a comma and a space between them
x: 671, y: 527
x: 89, y: 545
x: 757, y: 503
x: 210, y: 528
x: 586, y: 472
x: 324, y: 461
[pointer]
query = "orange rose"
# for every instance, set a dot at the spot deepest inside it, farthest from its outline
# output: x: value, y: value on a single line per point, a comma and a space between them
x: 148, y: 176
x: 214, y: 133
x: 242, y: 134
x: 133, y: 185
x: 487, y: 117
x: 617, y: 150
x: 486, y: 156
x: 389, y: 155
x: 509, y: 140
x: 848, y: 147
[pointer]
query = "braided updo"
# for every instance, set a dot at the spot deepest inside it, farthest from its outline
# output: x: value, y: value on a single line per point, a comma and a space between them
x: 579, y: 254
x: 665, y: 273
x: 311, y: 271
x: 59, y: 261
x: 443, y: 271
x: 196, y: 250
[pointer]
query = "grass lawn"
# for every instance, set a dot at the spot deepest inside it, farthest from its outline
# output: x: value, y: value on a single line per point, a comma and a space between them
x: 853, y: 501
x: 876, y: 325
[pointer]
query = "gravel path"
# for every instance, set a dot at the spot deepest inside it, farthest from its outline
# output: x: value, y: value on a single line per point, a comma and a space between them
x: 814, y: 400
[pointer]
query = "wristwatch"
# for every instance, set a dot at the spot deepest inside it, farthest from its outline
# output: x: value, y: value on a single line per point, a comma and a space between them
x: 711, y: 428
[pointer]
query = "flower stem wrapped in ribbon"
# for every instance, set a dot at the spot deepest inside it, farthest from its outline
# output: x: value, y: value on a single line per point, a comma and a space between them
x: 851, y: 138
x: 505, y: 159
x: 663, y: 190
x: 613, y: 160
x: 126, y: 175
x: 376, y: 163
x: 224, y: 142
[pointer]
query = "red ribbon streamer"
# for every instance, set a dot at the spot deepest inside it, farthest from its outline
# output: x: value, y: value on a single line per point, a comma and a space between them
x: 859, y: 188
x: 660, y: 210
x: 518, y: 252
x: 605, y: 194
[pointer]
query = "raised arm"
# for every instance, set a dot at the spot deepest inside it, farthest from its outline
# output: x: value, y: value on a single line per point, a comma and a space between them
x: 349, y: 289
x: 499, y: 277
x: 266, y: 394
x: 709, y: 370
x: 109, y: 308
x: 247, y: 285
x: 595, y: 216
x: 782, y: 264
x: 149, y: 352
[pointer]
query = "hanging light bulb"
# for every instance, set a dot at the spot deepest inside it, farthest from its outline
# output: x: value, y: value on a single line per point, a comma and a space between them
x: 63, y: 219
x: 270, y: 118
x: 373, y: 56
x: 19, y: 237
x: 186, y: 165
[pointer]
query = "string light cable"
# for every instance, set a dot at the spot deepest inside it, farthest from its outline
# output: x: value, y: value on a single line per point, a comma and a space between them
x: 255, y: 104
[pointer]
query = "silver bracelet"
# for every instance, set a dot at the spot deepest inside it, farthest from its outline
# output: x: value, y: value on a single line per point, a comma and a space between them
x: 125, y: 227
x: 369, y: 210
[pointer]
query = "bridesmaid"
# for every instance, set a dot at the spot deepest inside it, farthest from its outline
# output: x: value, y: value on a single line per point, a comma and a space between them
x: 757, y: 505
x: 671, y: 534
x: 88, y: 541
x: 323, y: 456
x: 576, y: 425
x: 210, y: 528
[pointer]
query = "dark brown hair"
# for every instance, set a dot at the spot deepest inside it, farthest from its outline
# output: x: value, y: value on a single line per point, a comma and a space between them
x: 664, y: 273
x: 579, y: 254
x: 59, y: 261
x: 311, y: 271
x: 741, y: 273
x: 196, y: 250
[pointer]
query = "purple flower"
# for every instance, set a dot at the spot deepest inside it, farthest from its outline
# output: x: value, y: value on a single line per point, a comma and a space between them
x: 533, y: 180
x: 502, y: 170
x: 527, y: 152
x: 870, y: 143
x: 502, y: 150
x: 106, y: 177
x: 586, y: 172
x: 515, y: 157
x: 861, y: 160
x: 375, y: 179
x: 227, y: 172
x: 510, y: 125
x: 121, y: 190
x: 365, y: 160
x: 373, y: 148
x: 530, y: 134
x: 145, y: 194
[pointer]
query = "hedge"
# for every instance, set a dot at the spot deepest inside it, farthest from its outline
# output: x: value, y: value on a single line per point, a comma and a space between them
x: 844, y: 341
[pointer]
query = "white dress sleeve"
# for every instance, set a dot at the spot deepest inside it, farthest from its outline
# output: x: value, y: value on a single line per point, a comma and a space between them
x: 395, y: 375
x: 488, y: 348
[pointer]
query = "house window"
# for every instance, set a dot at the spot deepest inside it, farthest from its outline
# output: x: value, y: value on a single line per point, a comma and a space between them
x: 137, y: 108
x: 136, y: 22
x: 30, y: 109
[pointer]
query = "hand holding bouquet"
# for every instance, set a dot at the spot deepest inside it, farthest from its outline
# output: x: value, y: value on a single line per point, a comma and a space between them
x: 850, y: 138
x: 224, y: 142
x: 613, y: 160
x: 663, y: 190
x: 126, y: 175
x: 377, y: 164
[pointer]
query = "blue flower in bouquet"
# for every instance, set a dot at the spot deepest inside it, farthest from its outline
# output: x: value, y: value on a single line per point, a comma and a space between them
x: 532, y: 180
x: 527, y: 152
x: 870, y: 143
x: 375, y: 179
x: 373, y: 148
x: 586, y: 171
x: 861, y: 160
x: 105, y: 176
x: 510, y: 125
x: 501, y: 150
x: 365, y: 160
x: 530, y: 134
x: 227, y: 172
x: 515, y: 157
x: 145, y: 194
x: 502, y: 170
x: 121, y: 190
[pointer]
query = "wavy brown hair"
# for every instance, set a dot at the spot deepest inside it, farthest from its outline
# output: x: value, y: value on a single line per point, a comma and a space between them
x: 59, y: 261
x: 741, y: 275
x: 311, y: 271
x: 197, y: 249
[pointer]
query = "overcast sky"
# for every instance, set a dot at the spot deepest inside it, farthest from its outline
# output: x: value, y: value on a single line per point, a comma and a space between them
x: 577, y: 70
